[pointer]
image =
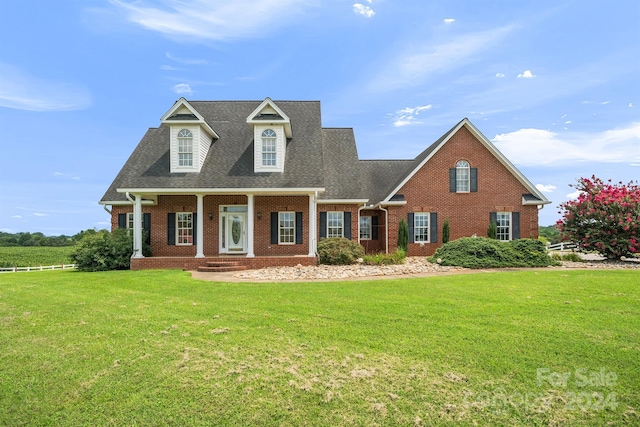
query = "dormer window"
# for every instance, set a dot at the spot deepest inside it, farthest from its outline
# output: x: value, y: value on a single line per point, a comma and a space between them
x: 269, y: 150
x: 185, y: 148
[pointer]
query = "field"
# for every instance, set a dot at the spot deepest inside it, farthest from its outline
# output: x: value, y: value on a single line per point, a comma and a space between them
x: 34, y: 256
x: 159, y: 348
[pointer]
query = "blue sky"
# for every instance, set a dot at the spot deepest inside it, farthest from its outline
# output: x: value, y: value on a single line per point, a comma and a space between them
x: 554, y: 84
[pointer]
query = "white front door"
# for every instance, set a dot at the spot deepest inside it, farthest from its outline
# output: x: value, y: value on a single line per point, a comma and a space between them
x: 236, y: 233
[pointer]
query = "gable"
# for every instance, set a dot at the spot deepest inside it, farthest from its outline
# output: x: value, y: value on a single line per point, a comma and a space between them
x: 464, y: 142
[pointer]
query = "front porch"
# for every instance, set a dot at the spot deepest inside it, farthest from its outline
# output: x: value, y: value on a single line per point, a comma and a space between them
x: 191, y: 263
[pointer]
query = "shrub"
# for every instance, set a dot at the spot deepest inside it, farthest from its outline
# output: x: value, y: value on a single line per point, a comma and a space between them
x: 445, y: 231
x: 403, y: 235
x: 492, y: 231
x: 339, y: 251
x: 397, y: 257
x: 571, y: 256
x: 104, y: 251
x: 481, y: 252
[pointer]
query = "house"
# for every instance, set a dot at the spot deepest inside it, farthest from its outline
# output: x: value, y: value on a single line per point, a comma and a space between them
x: 264, y: 181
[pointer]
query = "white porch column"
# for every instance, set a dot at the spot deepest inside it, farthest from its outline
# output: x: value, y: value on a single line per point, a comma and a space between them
x: 137, y: 227
x: 200, y: 227
x: 250, y: 226
x: 312, y: 225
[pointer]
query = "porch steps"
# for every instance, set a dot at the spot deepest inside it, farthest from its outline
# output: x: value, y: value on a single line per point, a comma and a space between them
x: 221, y: 266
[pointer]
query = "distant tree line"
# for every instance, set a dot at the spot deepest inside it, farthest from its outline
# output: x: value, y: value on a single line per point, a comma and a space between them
x: 39, y: 239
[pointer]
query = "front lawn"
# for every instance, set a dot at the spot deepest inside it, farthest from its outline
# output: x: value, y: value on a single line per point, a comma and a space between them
x: 159, y: 348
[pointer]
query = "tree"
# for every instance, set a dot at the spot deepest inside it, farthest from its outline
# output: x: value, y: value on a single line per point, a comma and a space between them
x: 403, y: 236
x: 604, y: 218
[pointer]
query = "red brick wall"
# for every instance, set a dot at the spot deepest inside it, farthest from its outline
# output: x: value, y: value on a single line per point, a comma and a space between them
x: 468, y: 213
x: 190, y: 263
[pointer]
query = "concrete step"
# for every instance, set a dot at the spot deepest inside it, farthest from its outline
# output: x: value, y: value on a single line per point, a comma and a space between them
x: 221, y: 269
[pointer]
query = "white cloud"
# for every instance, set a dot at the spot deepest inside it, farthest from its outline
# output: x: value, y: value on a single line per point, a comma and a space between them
x: 21, y: 91
x: 408, y: 115
x: 546, y: 188
x: 419, y: 60
x: 499, y: 75
x: 542, y: 147
x: 448, y: 20
x: 631, y: 105
x: 211, y: 20
x: 568, y: 122
x: 17, y: 216
x: 187, y: 61
x: 527, y: 74
x: 40, y: 214
x: 363, y: 10
x: 66, y: 175
x: 182, y: 89
x: 169, y: 68
x: 574, y: 195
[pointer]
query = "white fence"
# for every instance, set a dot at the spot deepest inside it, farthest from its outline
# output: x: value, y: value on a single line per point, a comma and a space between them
x: 562, y: 246
x: 40, y: 268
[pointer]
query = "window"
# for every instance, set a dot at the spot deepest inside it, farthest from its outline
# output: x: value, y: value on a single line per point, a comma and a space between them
x: 462, y: 176
x: 421, y: 227
x: 365, y: 228
x: 503, y: 222
x: 335, y: 224
x: 268, y: 148
x: 184, y: 228
x: 185, y: 148
x: 286, y: 228
x: 130, y: 220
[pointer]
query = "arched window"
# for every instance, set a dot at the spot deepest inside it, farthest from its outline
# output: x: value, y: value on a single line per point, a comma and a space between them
x: 269, y: 148
x: 462, y: 176
x: 185, y: 148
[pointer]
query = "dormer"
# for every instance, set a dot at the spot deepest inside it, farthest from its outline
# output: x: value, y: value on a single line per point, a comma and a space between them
x: 190, y: 137
x: 271, y: 129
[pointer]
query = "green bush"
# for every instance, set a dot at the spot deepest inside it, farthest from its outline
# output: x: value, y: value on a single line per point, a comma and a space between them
x: 481, y: 252
x: 446, y: 230
x: 492, y: 231
x: 339, y: 251
x: 571, y: 256
x: 397, y: 257
x: 403, y: 235
x: 104, y: 251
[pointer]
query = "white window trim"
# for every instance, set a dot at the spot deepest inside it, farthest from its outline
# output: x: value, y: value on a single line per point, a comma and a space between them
x: 368, y: 227
x: 510, y: 227
x: 341, y: 214
x: 185, y: 139
x: 280, y: 228
x: 271, y: 139
x: 179, y: 228
x: 415, y: 227
x: 466, y: 181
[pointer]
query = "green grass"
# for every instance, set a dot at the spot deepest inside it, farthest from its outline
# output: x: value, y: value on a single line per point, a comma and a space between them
x: 34, y: 256
x: 159, y: 348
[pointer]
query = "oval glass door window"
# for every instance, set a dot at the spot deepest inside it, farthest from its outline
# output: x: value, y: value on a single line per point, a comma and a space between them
x: 236, y: 230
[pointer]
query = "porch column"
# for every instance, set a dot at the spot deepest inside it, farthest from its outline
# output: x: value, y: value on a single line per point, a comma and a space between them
x: 137, y: 227
x: 250, y: 225
x: 200, y: 227
x: 312, y: 225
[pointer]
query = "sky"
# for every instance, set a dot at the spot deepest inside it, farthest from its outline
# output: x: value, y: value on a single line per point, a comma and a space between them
x: 554, y: 84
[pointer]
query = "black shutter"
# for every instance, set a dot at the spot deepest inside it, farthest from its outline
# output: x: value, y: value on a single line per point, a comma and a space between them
x: 347, y: 225
x: 146, y: 227
x: 194, y: 227
x: 122, y: 220
x: 274, y: 228
x: 374, y: 228
x: 433, y: 227
x: 171, y: 229
x: 410, y: 224
x: 493, y: 217
x: 299, y: 237
x: 452, y: 180
x: 323, y: 225
x: 515, y: 219
x: 474, y: 180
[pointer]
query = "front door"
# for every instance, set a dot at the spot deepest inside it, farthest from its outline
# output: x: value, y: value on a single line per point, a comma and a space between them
x: 236, y: 232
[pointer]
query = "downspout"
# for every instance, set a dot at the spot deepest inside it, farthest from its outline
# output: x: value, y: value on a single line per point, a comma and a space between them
x: 386, y: 229
x: 364, y: 205
x: 129, y: 197
x: 105, y: 208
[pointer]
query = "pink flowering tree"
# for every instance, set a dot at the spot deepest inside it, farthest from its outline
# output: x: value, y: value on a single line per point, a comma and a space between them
x: 604, y: 218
